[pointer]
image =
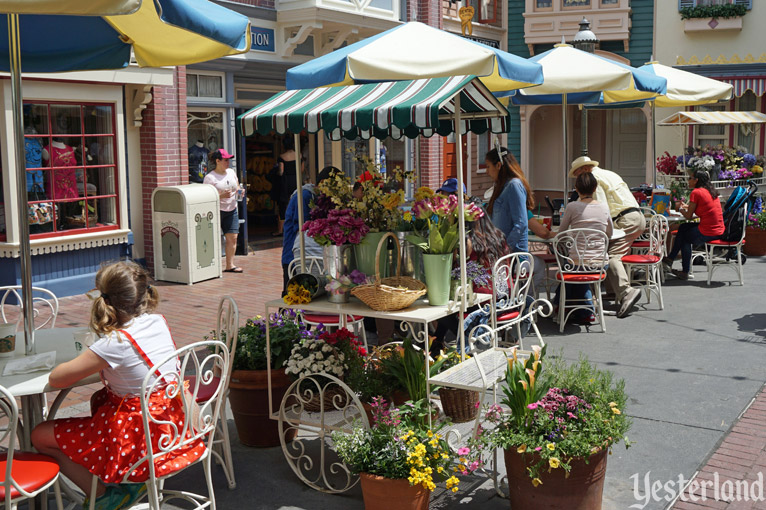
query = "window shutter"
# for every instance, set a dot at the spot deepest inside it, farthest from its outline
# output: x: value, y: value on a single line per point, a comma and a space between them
x: 746, y: 3
x: 685, y: 3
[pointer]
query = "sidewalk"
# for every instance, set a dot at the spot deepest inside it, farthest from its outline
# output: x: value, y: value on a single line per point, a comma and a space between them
x: 690, y: 371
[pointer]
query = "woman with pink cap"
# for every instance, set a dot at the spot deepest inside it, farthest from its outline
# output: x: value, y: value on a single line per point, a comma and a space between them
x: 225, y: 181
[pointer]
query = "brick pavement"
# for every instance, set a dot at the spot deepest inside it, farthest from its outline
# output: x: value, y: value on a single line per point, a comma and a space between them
x: 740, y: 456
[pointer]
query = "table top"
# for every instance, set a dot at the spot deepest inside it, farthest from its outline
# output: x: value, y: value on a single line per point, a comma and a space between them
x: 420, y: 311
x: 60, y: 340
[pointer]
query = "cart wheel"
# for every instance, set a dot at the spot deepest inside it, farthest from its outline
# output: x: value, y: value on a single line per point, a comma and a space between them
x: 313, y: 407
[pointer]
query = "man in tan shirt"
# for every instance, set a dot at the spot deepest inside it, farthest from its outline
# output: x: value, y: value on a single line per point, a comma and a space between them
x: 626, y: 216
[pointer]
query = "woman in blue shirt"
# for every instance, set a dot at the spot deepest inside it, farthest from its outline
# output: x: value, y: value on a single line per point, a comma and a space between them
x: 511, y: 198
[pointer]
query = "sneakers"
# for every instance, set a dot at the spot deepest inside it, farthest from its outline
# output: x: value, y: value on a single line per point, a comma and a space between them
x: 113, y: 499
x: 630, y: 299
x: 680, y: 274
x: 667, y: 264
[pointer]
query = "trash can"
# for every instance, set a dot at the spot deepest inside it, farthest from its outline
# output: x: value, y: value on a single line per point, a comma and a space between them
x: 186, y: 232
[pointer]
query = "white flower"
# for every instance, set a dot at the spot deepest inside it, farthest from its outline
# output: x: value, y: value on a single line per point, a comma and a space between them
x: 327, y: 348
x: 319, y: 355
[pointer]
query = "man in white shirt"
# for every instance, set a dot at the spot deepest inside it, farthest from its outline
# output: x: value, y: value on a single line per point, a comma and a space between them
x: 626, y: 216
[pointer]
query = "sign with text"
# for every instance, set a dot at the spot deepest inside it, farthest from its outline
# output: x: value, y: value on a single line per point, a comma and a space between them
x: 488, y: 42
x: 262, y: 39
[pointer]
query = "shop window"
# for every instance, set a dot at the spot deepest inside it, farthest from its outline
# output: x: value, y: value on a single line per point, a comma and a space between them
x: 204, y: 86
x: 745, y: 134
x: 543, y: 5
x: 482, y: 149
x: 575, y: 4
x: 205, y: 134
x: 71, y: 163
x: 714, y: 134
x: 609, y: 3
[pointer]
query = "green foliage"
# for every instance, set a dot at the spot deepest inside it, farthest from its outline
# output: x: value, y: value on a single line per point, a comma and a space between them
x: 714, y: 11
x: 367, y: 381
x: 524, y: 385
x: 408, y: 366
x: 285, y: 330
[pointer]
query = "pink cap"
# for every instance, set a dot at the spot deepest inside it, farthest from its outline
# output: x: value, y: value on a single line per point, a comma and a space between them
x: 224, y: 154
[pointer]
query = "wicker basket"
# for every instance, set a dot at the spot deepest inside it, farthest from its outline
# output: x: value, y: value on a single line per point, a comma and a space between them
x: 392, y: 293
x: 459, y: 404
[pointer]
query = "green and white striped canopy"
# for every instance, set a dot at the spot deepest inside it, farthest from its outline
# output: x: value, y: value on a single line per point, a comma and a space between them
x: 408, y: 108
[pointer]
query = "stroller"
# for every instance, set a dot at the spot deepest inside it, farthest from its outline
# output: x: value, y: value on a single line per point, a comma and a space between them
x: 734, y: 216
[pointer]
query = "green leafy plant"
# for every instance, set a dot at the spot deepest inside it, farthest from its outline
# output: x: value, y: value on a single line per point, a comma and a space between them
x: 407, y: 366
x: 713, y: 11
x: 285, y: 330
x: 557, y: 415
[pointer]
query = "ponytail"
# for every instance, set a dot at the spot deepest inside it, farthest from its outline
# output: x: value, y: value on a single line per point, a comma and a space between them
x: 125, y: 294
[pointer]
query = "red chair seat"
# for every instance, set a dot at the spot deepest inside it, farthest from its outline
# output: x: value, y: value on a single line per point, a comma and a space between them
x: 508, y: 316
x: 580, y: 277
x: 673, y: 232
x: 640, y: 259
x: 206, y: 391
x: 640, y: 244
x: 31, y: 471
x: 718, y: 242
x: 326, y: 319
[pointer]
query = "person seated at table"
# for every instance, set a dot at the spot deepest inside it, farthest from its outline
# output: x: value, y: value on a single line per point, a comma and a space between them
x: 703, y: 202
x: 586, y: 212
x: 109, y: 443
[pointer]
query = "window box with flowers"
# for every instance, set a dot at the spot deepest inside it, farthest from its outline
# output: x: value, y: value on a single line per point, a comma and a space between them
x: 713, y: 17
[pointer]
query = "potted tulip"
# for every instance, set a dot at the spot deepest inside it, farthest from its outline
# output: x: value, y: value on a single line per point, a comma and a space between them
x: 556, y: 427
x: 248, y: 389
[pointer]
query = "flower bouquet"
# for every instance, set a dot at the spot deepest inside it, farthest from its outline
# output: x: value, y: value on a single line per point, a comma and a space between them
x: 558, y: 422
x: 339, y: 227
x: 301, y: 289
x: 475, y: 274
x: 668, y: 165
x: 399, y: 461
x: 338, y: 289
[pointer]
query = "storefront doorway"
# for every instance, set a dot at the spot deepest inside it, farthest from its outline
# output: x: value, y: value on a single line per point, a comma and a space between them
x: 626, y: 145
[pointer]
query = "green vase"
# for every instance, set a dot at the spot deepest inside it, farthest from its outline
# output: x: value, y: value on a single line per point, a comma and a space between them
x: 437, y: 268
x: 364, y: 253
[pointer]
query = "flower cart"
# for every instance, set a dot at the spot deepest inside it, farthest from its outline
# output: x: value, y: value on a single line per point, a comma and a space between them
x: 391, y: 109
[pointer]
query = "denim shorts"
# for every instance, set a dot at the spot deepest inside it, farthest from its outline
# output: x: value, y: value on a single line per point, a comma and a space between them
x: 229, y: 222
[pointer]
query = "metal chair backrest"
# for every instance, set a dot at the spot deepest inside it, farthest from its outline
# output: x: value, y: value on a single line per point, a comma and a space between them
x: 581, y: 251
x: 648, y: 213
x: 227, y: 325
x: 199, y: 422
x: 314, y: 265
x: 511, y: 279
x: 657, y: 234
x: 48, y: 302
x: 9, y: 417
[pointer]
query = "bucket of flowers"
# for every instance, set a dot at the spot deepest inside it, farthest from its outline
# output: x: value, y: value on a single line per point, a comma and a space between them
x: 339, y: 289
x: 320, y: 363
x: 476, y: 275
x: 556, y: 427
x: 399, y: 461
x: 304, y: 287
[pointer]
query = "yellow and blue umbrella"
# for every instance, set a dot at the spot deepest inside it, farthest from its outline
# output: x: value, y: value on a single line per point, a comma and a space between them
x: 45, y: 36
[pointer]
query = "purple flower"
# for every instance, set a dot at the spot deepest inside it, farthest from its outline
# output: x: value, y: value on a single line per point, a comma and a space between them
x: 358, y: 277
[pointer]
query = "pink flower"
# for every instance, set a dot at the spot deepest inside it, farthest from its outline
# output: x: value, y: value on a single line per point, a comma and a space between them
x: 532, y: 406
x: 538, y: 448
x: 463, y: 451
x: 355, y: 237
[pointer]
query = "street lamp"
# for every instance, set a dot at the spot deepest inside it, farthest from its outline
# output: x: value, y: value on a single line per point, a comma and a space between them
x: 584, y: 40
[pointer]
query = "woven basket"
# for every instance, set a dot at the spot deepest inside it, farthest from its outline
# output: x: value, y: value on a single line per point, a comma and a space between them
x: 459, y: 404
x: 392, y: 293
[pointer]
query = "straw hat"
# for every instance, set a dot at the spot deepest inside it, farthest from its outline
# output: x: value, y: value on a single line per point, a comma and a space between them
x: 580, y: 162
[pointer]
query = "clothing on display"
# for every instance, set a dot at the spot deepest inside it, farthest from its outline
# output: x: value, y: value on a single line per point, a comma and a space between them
x: 62, y: 182
x: 33, y: 152
x: 197, y: 162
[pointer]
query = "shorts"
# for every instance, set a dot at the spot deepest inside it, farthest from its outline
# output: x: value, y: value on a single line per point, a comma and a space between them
x: 230, y: 222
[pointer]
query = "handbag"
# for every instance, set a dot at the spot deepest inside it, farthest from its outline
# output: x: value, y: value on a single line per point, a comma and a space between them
x: 42, y: 212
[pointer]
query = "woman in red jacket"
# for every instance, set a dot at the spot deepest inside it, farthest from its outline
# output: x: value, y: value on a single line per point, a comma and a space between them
x: 705, y: 204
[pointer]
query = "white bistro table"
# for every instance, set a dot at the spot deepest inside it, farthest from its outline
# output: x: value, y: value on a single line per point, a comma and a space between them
x: 317, y: 466
x: 32, y: 387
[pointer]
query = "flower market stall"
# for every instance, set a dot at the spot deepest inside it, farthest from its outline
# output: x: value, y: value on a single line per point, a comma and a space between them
x: 424, y: 107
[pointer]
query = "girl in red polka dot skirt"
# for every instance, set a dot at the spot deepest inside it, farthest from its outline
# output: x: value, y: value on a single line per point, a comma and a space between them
x: 111, y: 443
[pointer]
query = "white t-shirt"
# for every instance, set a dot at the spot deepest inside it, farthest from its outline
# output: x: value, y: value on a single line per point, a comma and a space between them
x: 127, y: 369
x: 224, y: 182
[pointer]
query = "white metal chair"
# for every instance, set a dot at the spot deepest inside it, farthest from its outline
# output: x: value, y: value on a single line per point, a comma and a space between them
x: 641, y: 244
x: 582, y: 259
x: 46, y: 305
x: 315, y: 266
x: 651, y: 261
x: 226, y: 330
x: 22, y: 475
x: 200, y: 420
x: 726, y: 259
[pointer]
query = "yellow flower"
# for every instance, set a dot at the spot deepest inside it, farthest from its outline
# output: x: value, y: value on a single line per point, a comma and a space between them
x: 554, y: 462
x: 430, y: 434
x: 407, y: 216
x: 423, y: 192
x: 616, y: 411
x: 521, y: 449
x: 612, y: 404
x: 551, y: 446
x: 536, y: 482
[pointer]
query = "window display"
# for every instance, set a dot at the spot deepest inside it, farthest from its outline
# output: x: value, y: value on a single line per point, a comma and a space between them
x: 205, y: 133
x: 71, y: 167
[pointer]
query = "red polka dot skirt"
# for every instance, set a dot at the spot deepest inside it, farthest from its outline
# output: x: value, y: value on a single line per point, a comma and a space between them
x: 111, y: 443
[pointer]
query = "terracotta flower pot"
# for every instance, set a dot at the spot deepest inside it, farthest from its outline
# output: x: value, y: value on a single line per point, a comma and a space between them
x: 249, y: 399
x: 385, y: 494
x: 756, y: 242
x: 582, y: 490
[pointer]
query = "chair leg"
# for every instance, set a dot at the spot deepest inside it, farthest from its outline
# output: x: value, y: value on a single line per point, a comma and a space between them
x: 600, y: 305
x: 562, y: 306
x: 152, y: 493
x: 709, y: 252
x: 57, y: 495
x: 739, y: 265
x: 228, y: 464
x: 93, y: 487
x: 209, y: 479
x: 656, y: 270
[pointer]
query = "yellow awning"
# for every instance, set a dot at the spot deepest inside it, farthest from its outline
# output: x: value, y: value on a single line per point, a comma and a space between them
x: 695, y: 118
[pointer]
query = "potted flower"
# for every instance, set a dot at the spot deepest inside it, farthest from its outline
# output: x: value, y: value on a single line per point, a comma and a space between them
x: 561, y: 423
x: 475, y: 274
x: 315, y: 360
x: 336, y: 231
x: 338, y: 289
x: 441, y: 215
x: 301, y: 289
x: 248, y: 389
x: 756, y: 230
x: 369, y: 382
x: 398, y: 461
x: 458, y: 404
